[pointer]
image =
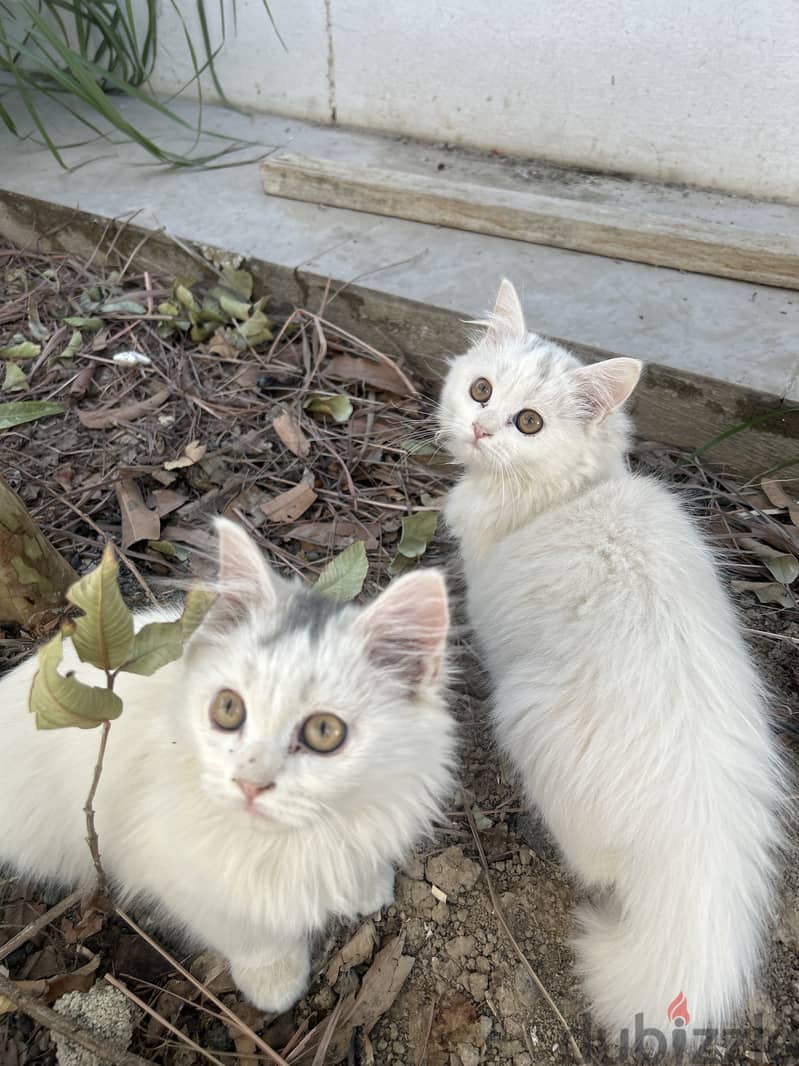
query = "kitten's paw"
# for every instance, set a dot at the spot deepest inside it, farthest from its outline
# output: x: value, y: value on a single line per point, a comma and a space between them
x: 381, y: 892
x: 276, y: 986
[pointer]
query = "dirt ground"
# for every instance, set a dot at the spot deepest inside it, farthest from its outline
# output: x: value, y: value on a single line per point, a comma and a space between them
x: 435, y: 978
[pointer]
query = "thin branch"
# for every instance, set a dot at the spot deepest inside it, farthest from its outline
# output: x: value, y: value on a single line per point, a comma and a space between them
x: 506, y: 929
x: 88, y: 808
x: 34, y: 927
x: 160, y: 1019
x: 62, y: 1026
x: 229, y: 1014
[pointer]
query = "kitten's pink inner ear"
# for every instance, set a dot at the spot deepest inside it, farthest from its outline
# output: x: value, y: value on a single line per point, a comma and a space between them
x: 244, y: 578
x: 507, y: 322
x: 605, y: 386
x: 406, y: 627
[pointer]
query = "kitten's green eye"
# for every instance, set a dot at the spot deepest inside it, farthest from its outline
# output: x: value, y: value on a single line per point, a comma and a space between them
x: 481, y: 390
x: 528, y: 421
x: 323, y: 733
x: 228, y: 710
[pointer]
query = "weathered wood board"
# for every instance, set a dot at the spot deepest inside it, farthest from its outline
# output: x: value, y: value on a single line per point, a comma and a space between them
x: 610, y: 230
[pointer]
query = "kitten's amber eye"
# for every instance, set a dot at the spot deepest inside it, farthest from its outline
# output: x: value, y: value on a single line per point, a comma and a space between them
x: 481, y: 390
x: 323, y: 732
x: 528, y: 421
x: 228, y: 710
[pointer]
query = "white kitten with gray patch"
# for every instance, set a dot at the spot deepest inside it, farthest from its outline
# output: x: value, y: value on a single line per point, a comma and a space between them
x: 263, y: 784
x: 624, y: 692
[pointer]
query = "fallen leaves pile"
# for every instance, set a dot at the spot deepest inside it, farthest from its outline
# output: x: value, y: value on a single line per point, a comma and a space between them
x: 135, y: 409
x: 150, y: 408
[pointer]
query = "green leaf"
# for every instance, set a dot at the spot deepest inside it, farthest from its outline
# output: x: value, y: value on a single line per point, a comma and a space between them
x: 766, y: 591
x: 185, y: 297
x: 90, y: 322
x: 343, y: 577
x: 22, y: 350
x: 15, y: 380
x: 160, y: 643
x: 338, y: 405
x: 256, y: 329
x: 154, y: 646
x: 15, y: 414
x: 103, y: 635
x: 198, y: 603
x: 168, y: 549
x: 783, y: 566
x: 417, y: 532
x: 234, y: 308
x: 238, y: 281
x: 122, y: 307
x: 74, y: 346
x: 59, y: 701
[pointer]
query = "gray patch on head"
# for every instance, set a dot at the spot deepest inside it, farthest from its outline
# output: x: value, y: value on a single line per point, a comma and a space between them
x: 304, y: 611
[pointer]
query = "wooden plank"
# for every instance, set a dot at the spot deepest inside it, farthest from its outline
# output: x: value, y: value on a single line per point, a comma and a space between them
x: 599, y: 229
x: 670, y: 405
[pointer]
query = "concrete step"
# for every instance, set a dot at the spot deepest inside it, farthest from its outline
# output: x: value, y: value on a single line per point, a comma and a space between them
x: 722, y: 351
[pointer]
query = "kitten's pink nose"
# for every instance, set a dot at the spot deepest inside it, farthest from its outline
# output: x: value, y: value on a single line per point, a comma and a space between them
x: 479, y: 432
x: 252, y: 789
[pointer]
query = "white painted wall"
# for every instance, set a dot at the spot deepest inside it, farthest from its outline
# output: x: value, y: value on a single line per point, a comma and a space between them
x: 698, y: 91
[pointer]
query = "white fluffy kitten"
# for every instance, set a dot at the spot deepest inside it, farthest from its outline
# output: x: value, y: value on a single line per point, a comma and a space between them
x: 624, y: 692
x: 263, y: 784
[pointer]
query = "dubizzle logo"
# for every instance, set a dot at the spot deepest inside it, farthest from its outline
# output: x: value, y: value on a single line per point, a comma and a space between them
x: 678, y: 1011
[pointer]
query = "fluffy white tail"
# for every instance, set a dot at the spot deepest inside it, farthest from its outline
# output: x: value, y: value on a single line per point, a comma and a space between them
x: 677, y: 946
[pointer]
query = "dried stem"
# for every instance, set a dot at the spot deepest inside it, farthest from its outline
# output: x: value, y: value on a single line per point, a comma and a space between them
x: 506, y: 929
x: 34, y: 927
x: 88, y: 809
x: 57, y: 1023
x: 231, y: 1016
x: 160, y: 1019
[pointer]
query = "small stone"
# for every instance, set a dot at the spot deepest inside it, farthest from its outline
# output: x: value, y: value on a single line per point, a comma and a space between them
x: 413, y: 867
x: 103, y: 1011
x: 440, y: 913
x: 478, y: 984
x: 468, y: 1054
x: 460, y: 947
x: 452, y: 871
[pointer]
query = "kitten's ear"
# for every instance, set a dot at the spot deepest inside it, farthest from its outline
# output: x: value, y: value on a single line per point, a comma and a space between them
x: 507, y: 319
x: 406, y: 627
x: 603, y: 387
x: 244, y: 579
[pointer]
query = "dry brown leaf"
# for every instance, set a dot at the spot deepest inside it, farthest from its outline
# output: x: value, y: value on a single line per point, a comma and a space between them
x: 357, y: 950
x: 105, y: 417
x: 289, y: 505
x: 64, y: 476
x: 291, y: 435
x: 198, y: 538
x: 167, y: 501
x: 335, y: 534
x: 82, y: 381
x: 380, y: 376
x: 220, y: 345
x: 380, y: 987
x: 192, y: 453
x: 780, y: 498
x: 138, y: 521
x: 50, y: 989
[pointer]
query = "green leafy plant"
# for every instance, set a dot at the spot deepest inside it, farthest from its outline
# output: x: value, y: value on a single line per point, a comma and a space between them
x: 104, y: 637
x: 81, y: 54
x: 417, y: 532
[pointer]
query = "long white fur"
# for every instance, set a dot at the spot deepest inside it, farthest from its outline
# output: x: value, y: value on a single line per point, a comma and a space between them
x: 172, y: 823
x: 624, y: 692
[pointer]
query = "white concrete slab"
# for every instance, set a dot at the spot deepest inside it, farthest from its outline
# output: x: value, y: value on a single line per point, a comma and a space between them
x: 700, y: 91
x: 745, y: 334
